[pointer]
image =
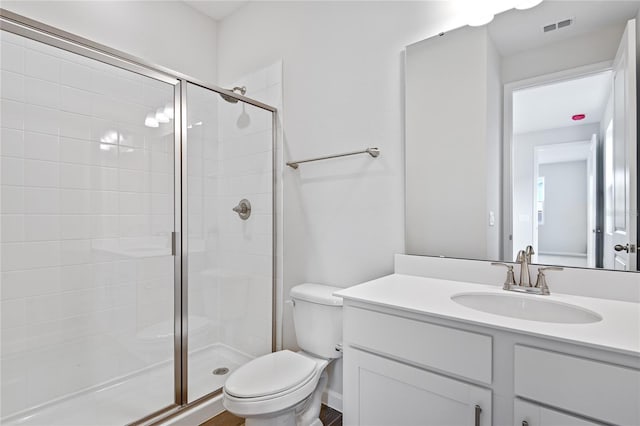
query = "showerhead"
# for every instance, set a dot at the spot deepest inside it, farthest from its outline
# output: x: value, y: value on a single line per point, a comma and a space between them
x: 242, y: 90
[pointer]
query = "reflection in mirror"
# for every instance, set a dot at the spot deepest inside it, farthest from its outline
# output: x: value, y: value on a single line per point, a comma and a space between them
x: 523, y: 132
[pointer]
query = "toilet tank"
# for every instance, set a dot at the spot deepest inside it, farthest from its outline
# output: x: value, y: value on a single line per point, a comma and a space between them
x: 317, y: 317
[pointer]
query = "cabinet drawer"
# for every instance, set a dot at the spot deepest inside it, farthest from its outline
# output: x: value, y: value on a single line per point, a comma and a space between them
x: 602, y: 391
x: 536, y: 415
x: 447, y: 349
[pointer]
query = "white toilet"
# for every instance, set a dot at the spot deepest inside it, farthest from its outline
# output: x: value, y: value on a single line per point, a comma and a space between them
x: 285, y: 388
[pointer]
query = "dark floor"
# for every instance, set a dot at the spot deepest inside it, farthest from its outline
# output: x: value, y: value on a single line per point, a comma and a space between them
x: 328, y: 416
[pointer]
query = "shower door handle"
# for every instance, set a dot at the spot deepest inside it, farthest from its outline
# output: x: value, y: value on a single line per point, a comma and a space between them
x: 174, y: 245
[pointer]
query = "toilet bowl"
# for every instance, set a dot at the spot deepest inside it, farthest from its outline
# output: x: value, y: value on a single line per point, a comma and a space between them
x: 275, y: 386
x: 285, y: 388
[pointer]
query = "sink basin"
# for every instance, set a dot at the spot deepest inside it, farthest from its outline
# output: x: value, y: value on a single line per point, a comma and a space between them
x: 527, y: 307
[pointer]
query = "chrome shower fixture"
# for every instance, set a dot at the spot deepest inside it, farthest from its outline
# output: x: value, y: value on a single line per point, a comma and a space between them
x: 242, y: 90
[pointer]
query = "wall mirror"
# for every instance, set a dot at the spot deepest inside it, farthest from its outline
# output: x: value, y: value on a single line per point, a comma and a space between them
x: 523, y: 132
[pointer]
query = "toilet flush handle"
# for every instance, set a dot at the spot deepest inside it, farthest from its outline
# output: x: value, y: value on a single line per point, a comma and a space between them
x: 339, y: 347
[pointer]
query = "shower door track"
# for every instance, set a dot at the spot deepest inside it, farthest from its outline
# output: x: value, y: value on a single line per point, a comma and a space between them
x: 38, y: 31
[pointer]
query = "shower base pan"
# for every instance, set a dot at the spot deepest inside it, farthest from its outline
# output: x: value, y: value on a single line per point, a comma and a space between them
x: 135, y: 396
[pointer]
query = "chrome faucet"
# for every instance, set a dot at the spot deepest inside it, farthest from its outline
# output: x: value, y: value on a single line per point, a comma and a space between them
x: 525, y: 276
x: 528, y: 251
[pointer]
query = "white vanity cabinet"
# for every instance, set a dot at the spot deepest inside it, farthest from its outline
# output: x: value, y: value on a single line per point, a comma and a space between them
x: 404, y: 368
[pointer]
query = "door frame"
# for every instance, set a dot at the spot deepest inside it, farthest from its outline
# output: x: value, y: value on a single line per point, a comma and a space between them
x: 586, y: 148
x: 507, y: 129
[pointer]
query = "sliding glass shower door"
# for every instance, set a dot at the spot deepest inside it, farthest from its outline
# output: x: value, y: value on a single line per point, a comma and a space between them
x: 136, y: 233
x: 87, y: 215
x: 230, y: 267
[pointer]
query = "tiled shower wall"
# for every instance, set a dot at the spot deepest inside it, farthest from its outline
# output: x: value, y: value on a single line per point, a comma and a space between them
x: 87, y: 208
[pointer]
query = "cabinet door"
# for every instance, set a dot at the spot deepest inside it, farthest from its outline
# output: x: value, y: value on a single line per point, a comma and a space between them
x: 382, y: 392
x: 529, y: 414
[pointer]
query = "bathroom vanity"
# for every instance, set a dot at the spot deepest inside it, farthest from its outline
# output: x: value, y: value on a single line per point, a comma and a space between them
x: 413, y: 355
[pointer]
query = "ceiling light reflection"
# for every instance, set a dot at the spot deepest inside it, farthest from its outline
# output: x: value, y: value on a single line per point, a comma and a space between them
x: 527, y: 4
x: 168, y: 110
x: 110, y: 136
x: 150, y: 120
x: 160, y: 117
x: 479, y: 20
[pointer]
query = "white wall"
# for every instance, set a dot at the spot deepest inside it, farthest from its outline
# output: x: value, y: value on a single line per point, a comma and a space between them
x: 343, y: 90
x: 591, y: 48
x: 494, y: 152
x: 167, y: 33
x: 447, y: 143
x: 564, y: 231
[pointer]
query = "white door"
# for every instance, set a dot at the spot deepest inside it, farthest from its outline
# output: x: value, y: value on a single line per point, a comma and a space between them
x: 591, y: 204
x: 624, y: 208
x: 608, y: 253
x: 382, y: 392
x: 528, y: 414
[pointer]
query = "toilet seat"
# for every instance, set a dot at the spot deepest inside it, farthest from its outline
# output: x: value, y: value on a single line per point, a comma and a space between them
x: 293, y: 386
x: 270, y: 375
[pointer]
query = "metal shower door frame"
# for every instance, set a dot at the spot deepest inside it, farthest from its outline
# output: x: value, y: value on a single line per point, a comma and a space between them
x: 38, y: 31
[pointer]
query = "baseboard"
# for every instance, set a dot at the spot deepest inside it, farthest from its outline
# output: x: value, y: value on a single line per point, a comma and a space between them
x: 333, y: 399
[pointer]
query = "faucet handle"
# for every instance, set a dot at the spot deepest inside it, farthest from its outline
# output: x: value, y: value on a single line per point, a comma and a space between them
x: 551, y: 268
x: 511, y: 279
x: 541, y: 282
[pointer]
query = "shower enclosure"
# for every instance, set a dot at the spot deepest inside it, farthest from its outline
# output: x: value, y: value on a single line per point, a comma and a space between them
x: 130, y: 286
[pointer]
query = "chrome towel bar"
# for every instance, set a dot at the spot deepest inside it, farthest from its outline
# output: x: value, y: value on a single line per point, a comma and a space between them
x: 374, y: 152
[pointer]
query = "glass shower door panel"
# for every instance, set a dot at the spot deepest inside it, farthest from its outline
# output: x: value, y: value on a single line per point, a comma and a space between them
x: 87, y: 214
x: 230, y: 258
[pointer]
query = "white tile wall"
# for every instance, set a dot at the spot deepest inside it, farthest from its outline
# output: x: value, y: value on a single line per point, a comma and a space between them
x: 85, y: 189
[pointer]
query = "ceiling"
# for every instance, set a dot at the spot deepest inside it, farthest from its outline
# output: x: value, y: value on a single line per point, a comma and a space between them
x: 551, y: 106
x: 517, y: 30
x: 217, y: 10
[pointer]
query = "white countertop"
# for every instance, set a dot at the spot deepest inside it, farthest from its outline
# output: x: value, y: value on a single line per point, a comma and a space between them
x: 618, y: 331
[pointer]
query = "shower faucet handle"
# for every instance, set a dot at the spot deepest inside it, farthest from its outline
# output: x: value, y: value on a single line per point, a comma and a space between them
x: 243, y: 209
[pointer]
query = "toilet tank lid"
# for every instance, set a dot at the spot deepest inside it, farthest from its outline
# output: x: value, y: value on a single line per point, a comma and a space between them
x: 316, y: 293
